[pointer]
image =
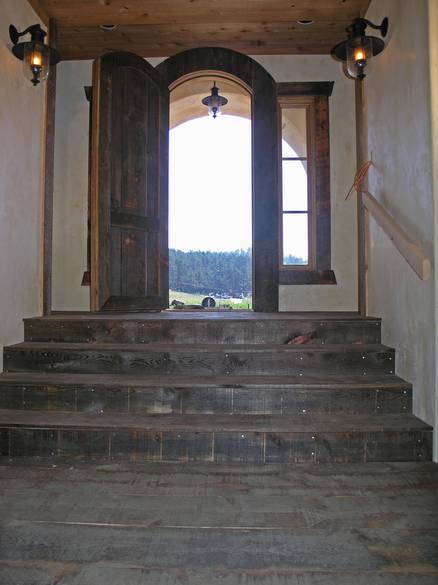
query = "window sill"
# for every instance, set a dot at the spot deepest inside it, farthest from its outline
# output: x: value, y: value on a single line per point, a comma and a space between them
x: 290, y: 276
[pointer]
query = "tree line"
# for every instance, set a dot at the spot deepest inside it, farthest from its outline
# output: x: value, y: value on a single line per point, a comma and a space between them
x: 217, y: 273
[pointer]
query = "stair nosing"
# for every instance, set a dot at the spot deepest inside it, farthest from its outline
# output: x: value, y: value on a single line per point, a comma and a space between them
x: 193, y: 423
x: 36, y: 378
x: 201, y: 348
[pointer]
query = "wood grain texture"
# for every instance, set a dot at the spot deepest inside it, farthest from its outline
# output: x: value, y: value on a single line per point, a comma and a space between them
x: 129, y: 194
x: 167, y: 27
x: 48, y: 178
x: 167, y: 327
x: 155, y: 524
x: 220, y: 439
x: 196, y: 360
x: 209, y: 395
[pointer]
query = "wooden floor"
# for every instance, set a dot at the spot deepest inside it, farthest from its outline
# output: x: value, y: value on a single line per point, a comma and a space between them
x: 101, y: 523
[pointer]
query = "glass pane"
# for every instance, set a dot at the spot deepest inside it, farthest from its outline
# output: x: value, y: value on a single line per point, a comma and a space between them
x: 295, y: 239
x: 294, y: 131
x: 295, y: 185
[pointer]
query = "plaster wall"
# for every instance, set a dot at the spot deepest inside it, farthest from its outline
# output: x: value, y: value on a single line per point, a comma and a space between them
x: 71, y: 171
x: 399, y: 118
x: 433, y: 64
x: 21, y: 123
x: 70, y: 197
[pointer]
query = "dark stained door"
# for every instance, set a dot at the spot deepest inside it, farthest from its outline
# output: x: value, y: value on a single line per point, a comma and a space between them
x: 129, y: 175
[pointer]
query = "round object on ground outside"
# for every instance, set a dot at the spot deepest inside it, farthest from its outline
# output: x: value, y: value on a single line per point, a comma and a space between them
x: 208, y: 302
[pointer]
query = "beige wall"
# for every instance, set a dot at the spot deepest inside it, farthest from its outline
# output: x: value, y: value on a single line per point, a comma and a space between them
x: 71, y: 184
x: 70, y: 197
x: 21, y: 118
x: 400, y: 143
x: 343, y: 160
x: 433, y: 52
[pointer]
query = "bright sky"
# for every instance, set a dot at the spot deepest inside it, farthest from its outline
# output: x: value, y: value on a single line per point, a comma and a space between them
x: 210, y: 187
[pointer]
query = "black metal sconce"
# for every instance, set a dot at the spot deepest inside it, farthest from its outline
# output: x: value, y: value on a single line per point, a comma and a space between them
x: 214, y: 102
x: 36, y: 56
x: 358, y: 49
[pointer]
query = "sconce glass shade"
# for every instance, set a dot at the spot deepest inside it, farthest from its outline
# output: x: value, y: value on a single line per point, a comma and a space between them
x: 214, y: 102
x: 36, y: 56
x: 359, y: 52
x: 36, y: 62
x: 358, y: 49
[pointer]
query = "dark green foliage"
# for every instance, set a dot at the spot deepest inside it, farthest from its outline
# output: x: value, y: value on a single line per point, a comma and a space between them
x: 218, y: 273
x: 211, y: 272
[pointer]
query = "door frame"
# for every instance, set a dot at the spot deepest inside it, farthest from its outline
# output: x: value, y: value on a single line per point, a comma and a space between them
x: 264, y: 116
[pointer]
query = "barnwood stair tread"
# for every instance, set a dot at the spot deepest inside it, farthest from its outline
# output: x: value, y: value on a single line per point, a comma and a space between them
x: 353, y: 382
x: 212, y: 423
x: 204, y: 316
x: 206, y: 386
x: 198, y: 348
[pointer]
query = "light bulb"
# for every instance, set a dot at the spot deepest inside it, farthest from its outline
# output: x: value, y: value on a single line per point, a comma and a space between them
x: 36, y: 59
x: 359, y: 54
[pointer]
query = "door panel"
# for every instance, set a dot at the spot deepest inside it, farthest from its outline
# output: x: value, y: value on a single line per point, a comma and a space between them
x: 129, y: 269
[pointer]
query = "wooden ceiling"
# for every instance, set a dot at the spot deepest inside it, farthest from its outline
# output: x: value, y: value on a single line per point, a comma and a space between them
x: 158, y: 28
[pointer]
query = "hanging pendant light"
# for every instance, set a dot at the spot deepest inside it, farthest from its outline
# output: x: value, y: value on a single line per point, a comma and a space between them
x: 36, y: 56
x: 214, y: 102
x: 358, y: 49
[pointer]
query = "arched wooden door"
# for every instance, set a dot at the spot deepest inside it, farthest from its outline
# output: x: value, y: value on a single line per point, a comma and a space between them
x: 129, y: 174
x: 265, y: 152
x: 129, y: 182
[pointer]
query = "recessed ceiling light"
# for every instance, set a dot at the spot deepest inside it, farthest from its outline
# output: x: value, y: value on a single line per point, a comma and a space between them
x: 108, y: 26
x: 305, y: 22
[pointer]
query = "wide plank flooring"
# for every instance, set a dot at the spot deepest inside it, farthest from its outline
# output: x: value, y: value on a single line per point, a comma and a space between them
x: 168, y: 524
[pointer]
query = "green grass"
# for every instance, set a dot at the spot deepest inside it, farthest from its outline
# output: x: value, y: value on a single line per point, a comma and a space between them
x: 193, y: 299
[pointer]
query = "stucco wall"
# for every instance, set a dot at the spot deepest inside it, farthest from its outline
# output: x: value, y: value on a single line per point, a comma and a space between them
x: 70, y: 197
x: 21, y: 118
x: 342, y: 296
x: 71, y: 184
x: 398, y: 94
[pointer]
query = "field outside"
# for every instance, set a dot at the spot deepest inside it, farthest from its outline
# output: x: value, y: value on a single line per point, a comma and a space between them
x: 196, y: 299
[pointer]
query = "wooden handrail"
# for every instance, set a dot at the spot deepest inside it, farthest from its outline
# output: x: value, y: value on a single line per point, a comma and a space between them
x: 410, y: 251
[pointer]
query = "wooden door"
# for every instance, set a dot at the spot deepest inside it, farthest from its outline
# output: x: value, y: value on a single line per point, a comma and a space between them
x: 129, y: 175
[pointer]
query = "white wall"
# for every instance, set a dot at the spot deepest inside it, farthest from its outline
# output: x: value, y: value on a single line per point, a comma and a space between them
x: 398, y: 94
x: 21, y: 121
x: 71, y: 169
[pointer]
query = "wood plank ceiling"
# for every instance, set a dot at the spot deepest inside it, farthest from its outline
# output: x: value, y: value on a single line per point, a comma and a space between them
x: 158, y: 28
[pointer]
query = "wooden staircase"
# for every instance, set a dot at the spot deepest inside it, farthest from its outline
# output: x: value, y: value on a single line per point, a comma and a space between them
x: 218, y: 387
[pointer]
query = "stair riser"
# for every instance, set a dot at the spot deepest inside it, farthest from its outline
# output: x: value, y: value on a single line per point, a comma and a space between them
x: 266, y: 362
x: 221, y: 447
x: 232, y: 332
x: 207, y: 400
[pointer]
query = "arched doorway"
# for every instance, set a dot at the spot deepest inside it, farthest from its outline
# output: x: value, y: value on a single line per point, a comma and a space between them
x: 261, y: 86
x: 210, y: 194
x: 129, y: 194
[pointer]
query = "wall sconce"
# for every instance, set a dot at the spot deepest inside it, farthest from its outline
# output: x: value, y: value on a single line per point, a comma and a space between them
x: 214, y: 102
x: 36, y: 56
x: 358, y: 49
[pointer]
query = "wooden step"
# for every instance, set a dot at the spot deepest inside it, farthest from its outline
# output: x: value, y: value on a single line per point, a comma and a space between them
x: 186, y: 394
x: 195, y: 360
x: 216, y: 438
x: 205, y: 327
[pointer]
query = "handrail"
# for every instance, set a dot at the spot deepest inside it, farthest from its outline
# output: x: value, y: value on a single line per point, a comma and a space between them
x: 410, y: 251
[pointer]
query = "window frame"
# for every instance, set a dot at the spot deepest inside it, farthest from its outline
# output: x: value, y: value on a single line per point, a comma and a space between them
x: 314, y: 96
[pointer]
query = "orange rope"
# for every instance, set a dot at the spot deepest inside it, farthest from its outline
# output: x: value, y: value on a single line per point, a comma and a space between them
x: 359, y: 178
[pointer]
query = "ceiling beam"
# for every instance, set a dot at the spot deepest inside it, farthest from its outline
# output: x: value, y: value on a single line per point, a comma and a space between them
x: 165, y: 40
x: 79, y: 13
